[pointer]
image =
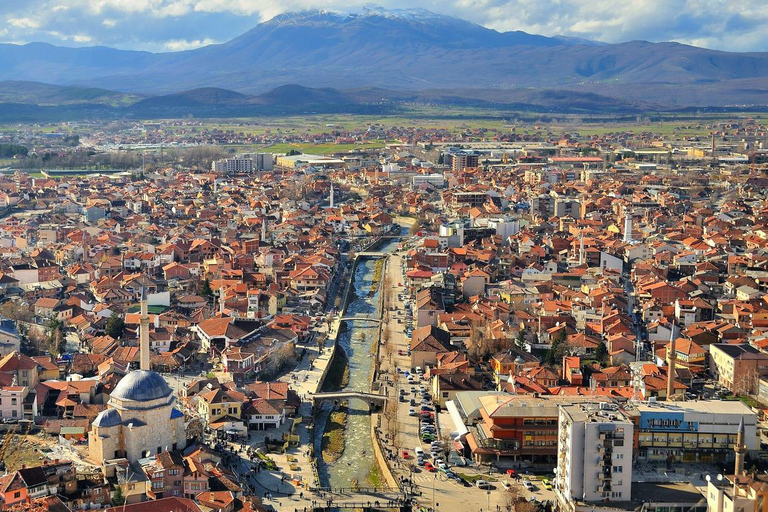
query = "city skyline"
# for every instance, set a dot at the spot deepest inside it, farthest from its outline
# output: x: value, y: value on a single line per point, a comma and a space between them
x: 174, y: 25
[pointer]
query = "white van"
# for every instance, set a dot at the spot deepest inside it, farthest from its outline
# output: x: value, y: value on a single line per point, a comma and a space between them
x: 419, y: 452
x: 483, y: 484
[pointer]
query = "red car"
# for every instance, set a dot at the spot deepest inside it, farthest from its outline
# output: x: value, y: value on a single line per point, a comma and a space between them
x: 429, y: 467
x: 405, y: 454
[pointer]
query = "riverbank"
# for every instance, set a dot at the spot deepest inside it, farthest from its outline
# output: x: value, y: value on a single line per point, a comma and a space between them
x: 333, y: 436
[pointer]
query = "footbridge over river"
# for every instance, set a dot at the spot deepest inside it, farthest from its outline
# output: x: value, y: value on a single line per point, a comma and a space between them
x: 361, y: 318
x: 374, y: 400
x: 367, y: 499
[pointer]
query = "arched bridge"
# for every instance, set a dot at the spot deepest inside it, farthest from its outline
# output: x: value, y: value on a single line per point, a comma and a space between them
x: 373, y: 399
x: 361, y: 318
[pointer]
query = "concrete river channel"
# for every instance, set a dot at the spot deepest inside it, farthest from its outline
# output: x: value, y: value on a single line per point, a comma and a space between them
x: 358, y: 341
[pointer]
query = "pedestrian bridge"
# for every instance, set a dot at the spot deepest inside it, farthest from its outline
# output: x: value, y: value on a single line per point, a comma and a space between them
x: 372, y: 254
x: 361, y: 318
x: 361, y: 498
x: 372, y: 398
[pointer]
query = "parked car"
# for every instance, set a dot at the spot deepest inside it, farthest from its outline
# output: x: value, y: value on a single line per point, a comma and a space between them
x: 411, y: 411
x: 483, y: 484
x: 429, y: 467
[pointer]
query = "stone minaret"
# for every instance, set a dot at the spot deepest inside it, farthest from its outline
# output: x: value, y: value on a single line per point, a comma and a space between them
x: 331, y: 195
x: 741, y: 449
x: 672, y: 358
x: 628, y: 229
x: 263, y: 229
x: 144, y: 335
x: 582, y: 259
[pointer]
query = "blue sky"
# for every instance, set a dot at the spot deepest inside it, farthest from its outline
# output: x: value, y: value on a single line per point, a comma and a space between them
x: 167, y: 25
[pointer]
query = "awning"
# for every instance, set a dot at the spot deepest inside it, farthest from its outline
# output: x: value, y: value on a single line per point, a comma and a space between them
x: 458, y: 422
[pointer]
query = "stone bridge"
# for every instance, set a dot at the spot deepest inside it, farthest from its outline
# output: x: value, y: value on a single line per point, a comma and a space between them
x: 361, y: 318
x: 374, y: 400
x: 372, y: 254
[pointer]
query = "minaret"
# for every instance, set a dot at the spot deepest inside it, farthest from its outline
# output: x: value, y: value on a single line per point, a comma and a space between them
x: 263, y: 229
x: 671, y: 358
x: 581, y: 248
x: 628, y: 229
x: 331, y: 194
x: 741, y: 449
x: 222, y: 300
x: 144, y: 335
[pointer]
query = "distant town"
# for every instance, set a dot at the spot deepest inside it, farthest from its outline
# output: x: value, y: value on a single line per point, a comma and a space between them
x: 501, y: 316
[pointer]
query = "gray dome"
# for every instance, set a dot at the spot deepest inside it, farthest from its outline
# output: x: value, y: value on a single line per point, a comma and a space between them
x: 107, y: 418
x: 141, y: 386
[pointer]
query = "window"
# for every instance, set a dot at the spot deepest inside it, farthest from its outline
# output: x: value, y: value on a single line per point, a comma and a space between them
x: 618, y: 469
x: 173, y: 471
x: 17, y: 494
x: 616, y: 495
x: 14, y: 401
x: 445, y: 394
x: 14, y: 413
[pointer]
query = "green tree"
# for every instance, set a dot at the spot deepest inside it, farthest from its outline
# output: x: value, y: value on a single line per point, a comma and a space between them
x: 520, y: 340
x: 55, y: 336
x: 601, y: 353
x: 293, y: 152
x: 115, y: 326
x: 206, y: 290
x: 118, y: 499
x: 558, y: 349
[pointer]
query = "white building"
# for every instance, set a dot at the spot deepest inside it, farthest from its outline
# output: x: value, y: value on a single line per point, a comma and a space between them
x: 594, y: 455
x: 12, y: 401
x: 244, y: 164
x: 436, y: 180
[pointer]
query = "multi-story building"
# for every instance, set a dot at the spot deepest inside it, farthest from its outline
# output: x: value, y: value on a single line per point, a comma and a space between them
x: 516, y: 428
x: 594, y: 454
x: 696, y: 431
x: 463, y: 160
x: 738, y: 367
x: 12, y: 401
x: 243, y: 164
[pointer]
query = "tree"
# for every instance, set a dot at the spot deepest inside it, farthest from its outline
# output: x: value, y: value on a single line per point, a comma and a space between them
x: 115, y: 326
x: 520, y: 340
x: 206, y: 290
x: 293, y: 152
x: 118, y: 499
x: 601, y: 353
x: 55, y: 336
x: 558, y: 349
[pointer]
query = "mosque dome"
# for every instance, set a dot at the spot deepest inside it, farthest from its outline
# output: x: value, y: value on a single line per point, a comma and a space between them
x: 141, y: 386
x: 107, y: 418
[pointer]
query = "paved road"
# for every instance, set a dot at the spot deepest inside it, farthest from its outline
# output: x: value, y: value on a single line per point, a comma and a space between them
x: 448, y: 494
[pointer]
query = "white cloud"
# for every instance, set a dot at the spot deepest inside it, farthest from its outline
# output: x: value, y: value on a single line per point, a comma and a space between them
x: 178, y: 45
x: 732, y: 25
x: 25, y: 23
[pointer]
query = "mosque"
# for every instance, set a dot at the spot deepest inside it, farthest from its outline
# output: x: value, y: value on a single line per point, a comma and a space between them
x: 140, y: 419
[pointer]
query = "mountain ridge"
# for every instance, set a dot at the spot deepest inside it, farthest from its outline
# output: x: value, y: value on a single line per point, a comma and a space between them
x: 405, y: 51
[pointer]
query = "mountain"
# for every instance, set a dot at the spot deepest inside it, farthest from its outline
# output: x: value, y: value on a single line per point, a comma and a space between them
x: 405, y: 52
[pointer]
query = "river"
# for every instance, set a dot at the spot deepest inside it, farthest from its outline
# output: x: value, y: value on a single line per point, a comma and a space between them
x: 357, y: 459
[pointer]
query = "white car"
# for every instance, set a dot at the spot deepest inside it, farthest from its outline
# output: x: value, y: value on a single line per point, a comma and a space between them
x: 411, y: 412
